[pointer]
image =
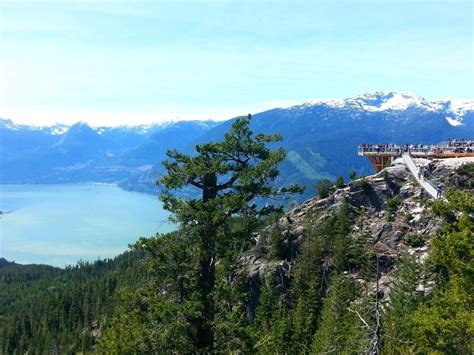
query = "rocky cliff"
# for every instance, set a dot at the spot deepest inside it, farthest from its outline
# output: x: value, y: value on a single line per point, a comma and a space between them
x: 391, y: 212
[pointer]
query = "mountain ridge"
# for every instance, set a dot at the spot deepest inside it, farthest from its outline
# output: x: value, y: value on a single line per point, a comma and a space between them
x: 374, y: 101
x: 320, y: 137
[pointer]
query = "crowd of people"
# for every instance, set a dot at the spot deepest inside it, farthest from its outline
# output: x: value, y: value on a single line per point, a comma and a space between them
x: 460, y: 146
x: 451, y: 146
x: 380, y: 148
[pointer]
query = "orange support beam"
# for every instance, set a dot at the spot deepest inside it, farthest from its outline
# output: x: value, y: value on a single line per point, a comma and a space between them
x: 380, y: 161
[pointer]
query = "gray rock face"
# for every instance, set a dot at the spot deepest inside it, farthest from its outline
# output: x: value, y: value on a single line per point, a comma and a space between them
x: 446, y: 172
x: 368, y: 197
x: 398, y: 170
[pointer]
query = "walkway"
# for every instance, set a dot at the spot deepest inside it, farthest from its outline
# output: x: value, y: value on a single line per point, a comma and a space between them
x: 430, y: 189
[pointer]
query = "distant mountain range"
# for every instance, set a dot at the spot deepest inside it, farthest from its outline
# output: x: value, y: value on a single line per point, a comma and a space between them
x: 320, y: 137
x: 81, y: 153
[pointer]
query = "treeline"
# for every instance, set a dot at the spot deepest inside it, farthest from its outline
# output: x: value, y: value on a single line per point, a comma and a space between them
x: 229, y: 280
x: 44, y: 309
x: 137, y: 305
x: 320, y: 299
x: 328, y: 305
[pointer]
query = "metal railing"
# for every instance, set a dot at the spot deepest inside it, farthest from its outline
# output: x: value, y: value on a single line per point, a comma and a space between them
x: 423, y: 177
x: 450, y: 148
x: 379, y: 148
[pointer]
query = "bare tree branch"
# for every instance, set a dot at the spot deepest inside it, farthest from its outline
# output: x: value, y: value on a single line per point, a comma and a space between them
x: 362, y: 319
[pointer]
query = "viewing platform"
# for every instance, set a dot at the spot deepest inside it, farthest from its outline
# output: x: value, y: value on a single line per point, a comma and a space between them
x: 381, y: 155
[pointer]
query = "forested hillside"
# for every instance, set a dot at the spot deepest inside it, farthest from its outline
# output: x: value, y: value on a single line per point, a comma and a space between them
x: 309, y: 282
x: 44, y: 309
x: 370, y: 265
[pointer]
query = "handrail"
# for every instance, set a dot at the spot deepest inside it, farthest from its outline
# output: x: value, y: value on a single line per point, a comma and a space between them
x: 426, y: 184
x: 453, y: 147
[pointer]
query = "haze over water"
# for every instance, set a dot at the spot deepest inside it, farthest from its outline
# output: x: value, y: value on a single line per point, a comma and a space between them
x: 63, y: 223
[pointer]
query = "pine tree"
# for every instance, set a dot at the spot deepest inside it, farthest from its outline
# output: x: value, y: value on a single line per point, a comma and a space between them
x: 337, y: 327
x: 445, y: 323
x: 229, y: 174
x: 324, y: 188
x: 342, y: 227
x: 308, y: 288
x: 404, y: 299
x: 340, y: 182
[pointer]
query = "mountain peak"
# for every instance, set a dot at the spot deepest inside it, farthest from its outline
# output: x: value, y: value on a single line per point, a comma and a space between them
x: 80, y: 125
x: 79, y: 133
x: 379, y: 101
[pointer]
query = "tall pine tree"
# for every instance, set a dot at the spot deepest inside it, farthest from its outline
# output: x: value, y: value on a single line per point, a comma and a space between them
x: 229, y: 174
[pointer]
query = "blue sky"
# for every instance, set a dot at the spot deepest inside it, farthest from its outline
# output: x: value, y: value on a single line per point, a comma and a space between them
x: 115, y: 62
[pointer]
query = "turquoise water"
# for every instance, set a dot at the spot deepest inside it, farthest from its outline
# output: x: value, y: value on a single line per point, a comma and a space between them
x: 61, y: 224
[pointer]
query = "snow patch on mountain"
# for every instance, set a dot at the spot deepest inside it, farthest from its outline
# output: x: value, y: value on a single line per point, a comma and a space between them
x: 395, y: 101
x: 379, y: 101
x: 138, y: 129
x: 460, y: 107
x: 57, y: 130
x: 453, y: 121
x: 8, y: 124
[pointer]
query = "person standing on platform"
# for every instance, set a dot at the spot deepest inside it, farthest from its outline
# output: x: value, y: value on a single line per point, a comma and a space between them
x: 439, y: 192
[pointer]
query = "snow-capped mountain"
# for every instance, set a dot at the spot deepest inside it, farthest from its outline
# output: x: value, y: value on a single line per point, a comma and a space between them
x: 398, y: 103
x: 140, y: 129
x: 69, y: 153
x: 320, y: 137
x: 377, y: 101
x: 56, y: 129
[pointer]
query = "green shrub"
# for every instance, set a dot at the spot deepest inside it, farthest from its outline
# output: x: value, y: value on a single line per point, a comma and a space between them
x: 324, y: 188
x: 279, y: 241
x: 467, y: 170
x: 426, y: 217
x: 340, y: 182
x: 363, y: 184
x: 392, y: 204
x: 353, y: 175
x: 408, y: 216
x: 414, y: 240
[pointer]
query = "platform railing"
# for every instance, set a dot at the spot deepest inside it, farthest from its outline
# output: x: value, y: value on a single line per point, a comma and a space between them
x: 379, y: 149
x: 451, y: 148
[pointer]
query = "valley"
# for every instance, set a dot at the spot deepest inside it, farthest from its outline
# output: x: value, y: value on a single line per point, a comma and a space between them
x: 236, y: 177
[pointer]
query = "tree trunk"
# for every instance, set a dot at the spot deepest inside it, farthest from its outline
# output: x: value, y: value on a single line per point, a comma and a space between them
x: 207, y: 272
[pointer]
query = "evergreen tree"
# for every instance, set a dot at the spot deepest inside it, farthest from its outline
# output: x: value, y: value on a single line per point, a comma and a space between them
x: 229, y: 174
x: 308, y: 288
x: 445, y: 323
x: 353, y: 175
x: 340, y: 182
x: 323, y: 188
x: 342, y: 227
x: 404, y: 299
x: 337, y: 326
